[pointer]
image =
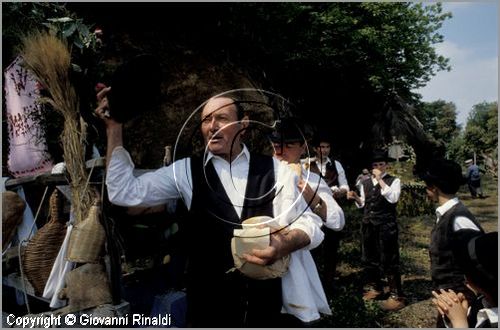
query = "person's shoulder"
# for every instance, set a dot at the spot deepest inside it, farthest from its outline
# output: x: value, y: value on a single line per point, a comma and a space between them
x: 393, y: 178
x: 314, y: 177
x: 186, y: 161
x: 338, y: 164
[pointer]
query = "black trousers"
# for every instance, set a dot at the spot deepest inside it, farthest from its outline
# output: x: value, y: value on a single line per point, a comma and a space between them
x: 235, y: 301
x: 475, y: 187
x: 327, y: 254
x: 380, y: 254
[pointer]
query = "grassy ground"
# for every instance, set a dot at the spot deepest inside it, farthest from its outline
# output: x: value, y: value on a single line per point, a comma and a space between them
x: 348, y: 308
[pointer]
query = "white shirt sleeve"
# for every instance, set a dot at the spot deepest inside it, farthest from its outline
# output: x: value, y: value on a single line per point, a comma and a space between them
x: 391, y: 193
x: 342, y: 178
x: 291, y: 209
x: 149, y: 189
x: 334, y: 214
x: 361, y: 197
x: 464, y: 223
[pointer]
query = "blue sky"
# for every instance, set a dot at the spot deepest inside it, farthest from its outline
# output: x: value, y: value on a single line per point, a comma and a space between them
x: 471, y: 43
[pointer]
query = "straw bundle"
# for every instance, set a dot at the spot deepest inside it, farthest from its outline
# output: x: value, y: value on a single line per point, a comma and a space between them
x: 50, y: 61
x: 42, y: 249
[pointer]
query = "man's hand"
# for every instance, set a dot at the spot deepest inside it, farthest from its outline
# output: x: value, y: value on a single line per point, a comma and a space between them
x: 282, y: 244
x: 339, y: 193
x: 376, y: 173
x: 102, y: 110
x: 113, y: 128
x: 308, y: 193
x: 353, y: 195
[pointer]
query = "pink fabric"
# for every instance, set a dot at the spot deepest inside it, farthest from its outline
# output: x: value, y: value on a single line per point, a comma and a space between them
x: 27, y: 148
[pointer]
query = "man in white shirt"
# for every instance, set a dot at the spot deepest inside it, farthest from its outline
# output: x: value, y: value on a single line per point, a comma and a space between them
x: 379, y: 232
x: 454, y: 223
x: 289, y: 145
x: 334, y: 175
x: 331, y: 170
x: 225, y: 187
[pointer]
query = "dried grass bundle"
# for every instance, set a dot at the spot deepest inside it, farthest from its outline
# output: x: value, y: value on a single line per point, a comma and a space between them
x: 49, y: 59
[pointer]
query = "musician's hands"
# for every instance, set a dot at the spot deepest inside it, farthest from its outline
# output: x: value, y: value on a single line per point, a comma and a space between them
x: 376, y: 173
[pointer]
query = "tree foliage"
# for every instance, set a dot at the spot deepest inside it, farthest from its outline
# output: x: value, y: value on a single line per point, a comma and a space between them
x: 23, y: 18
x: 439, y: 121
x: 355, y: 64
x: 481, y: 130
x: 20, y: 20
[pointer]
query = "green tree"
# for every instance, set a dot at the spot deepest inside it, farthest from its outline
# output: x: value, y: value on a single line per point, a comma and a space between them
x: 481, y: 134
x: 355, y: 62
x: 358, y: 62
x: 439, y: 121
x: 481, y: 130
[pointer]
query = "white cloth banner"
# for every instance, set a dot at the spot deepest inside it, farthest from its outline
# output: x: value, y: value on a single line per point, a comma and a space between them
x: 27, y: 148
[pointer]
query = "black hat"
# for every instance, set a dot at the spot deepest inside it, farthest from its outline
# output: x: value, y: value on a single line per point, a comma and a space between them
x: 444, y: 174
x: 288, y: 130
x: 320, y: 137
x: 477, y: 256
x: 379, y: 155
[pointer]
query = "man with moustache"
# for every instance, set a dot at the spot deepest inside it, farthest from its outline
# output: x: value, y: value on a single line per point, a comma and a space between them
x: 220, y: 190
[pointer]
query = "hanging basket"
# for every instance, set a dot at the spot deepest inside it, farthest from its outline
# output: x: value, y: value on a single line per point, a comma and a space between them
x: 87, y: 238
x: 41, y: 251
x: 12, y: 215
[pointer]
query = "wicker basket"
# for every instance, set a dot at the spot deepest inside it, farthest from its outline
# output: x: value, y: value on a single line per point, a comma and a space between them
x: 12, y: 215
x: 41, y: 251
x: 87, y: 238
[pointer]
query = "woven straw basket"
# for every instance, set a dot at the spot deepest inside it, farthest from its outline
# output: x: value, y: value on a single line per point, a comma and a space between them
x: 87, y: 238
x: 41, y: 251
x: 12, y: 215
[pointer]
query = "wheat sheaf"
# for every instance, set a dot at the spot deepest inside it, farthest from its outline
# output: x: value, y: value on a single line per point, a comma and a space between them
x: 49, y: 59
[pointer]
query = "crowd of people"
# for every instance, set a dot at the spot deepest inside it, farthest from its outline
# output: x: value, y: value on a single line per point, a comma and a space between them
x: 304, y: 197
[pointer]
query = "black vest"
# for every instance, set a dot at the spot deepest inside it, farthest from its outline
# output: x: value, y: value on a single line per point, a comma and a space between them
x: 217, y: 298
x: 445, y: 272
x: 331, y: 176
x: 377, y: 209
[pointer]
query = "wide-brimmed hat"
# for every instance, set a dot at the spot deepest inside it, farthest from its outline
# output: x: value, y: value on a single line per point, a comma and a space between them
x: 444, y: 174
x: 379, y: 155
x: 477, y: 256
x: 321, y: 136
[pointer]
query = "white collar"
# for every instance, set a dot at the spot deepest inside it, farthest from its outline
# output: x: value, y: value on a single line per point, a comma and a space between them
x: 441, y: 210
x: 244, y: 153
x: 490, y: 314
x: 319, y: 160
